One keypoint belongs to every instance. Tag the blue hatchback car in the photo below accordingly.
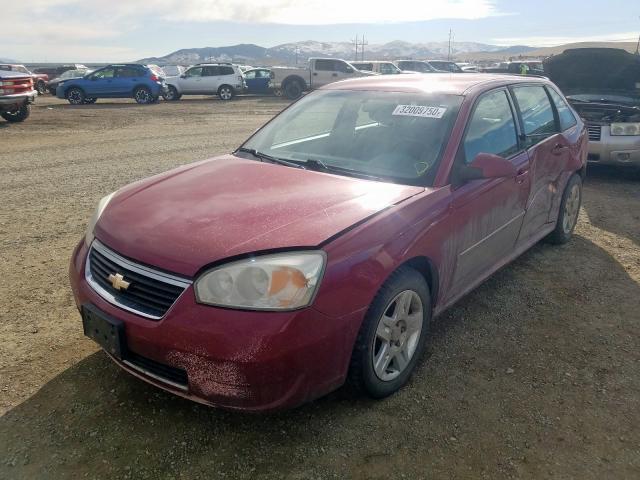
(140, 82)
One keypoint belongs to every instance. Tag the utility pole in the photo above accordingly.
(356, 44)
(638, 45)
(449, 52)
(364, 42)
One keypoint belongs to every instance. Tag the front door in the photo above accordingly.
(100, 83)
(488, 213)
(192, 81)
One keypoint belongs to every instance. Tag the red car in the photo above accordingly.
(320, 250)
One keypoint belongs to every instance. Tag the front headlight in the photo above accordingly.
(625, 129)
(282, 281)
(102, 204)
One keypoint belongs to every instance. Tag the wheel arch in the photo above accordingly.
(427, 268)
(294, 78)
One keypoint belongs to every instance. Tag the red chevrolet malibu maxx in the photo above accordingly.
(319, 251)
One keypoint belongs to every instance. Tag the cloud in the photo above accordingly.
(328, 12)
(550, 41)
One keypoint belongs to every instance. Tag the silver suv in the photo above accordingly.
(222, 79)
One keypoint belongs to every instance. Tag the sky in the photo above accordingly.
(126, 30)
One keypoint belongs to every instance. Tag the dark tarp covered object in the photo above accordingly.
(592, 70)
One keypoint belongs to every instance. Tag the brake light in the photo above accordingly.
(155, 78)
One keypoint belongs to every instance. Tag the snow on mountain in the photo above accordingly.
(290, 53)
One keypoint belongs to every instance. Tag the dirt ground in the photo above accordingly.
(536, 374)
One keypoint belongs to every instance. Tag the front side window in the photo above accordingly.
(194, 72)
(104, 73)
(492, 128)
(567, 119)
(393, 136)
(364, 66)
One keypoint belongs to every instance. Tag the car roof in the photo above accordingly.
(450, 83)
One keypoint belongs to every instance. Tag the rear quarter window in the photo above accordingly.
(226, 71)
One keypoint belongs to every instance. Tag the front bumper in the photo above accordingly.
(613, 150)
(18, 99)
(254, 361)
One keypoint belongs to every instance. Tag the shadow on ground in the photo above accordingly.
(532, 375)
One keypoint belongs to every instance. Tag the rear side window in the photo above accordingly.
(567, 119)
(537, 113)
(492, 128)
(128, 72)
(226, 71)
(364, 66)
(210, 71)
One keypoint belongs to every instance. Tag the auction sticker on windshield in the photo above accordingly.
(419, 111)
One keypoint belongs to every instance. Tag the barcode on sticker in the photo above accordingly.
(419, 111)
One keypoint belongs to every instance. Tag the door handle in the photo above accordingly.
(558, 148)
(522, 175)
(315, 74)
(334, 74)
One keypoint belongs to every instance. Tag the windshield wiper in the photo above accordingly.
(319, 165)
(269, 158)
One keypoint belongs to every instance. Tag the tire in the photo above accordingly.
(89, 101)
(19, 115)
(75, 96)
(373, 373)
(41, 87)
(569, 210)
(143, 96)
(226, 93)
(172, 94)
(293, 90)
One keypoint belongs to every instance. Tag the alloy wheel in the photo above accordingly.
(225, 93)
(142, 95)
(571, 209)
(397, 335)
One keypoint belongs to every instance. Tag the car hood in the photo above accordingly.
(184, 219)
(595, 71)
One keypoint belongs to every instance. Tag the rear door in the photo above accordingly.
(126, 78)
(324, 72)
(210, 79)
(489, 212)
(548, 151)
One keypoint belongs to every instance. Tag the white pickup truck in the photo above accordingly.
(292, 82)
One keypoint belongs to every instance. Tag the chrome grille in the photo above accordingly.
(595, 132)
(150, 292)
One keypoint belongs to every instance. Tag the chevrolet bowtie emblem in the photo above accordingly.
(118, 281)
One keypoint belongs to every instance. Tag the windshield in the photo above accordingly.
(393, 136)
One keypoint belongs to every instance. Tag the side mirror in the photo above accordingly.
(348, 70)
(184, 75)
(93, 79)
(488, 165)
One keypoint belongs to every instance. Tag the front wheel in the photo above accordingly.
(75, 96)
(225, 92)
(393, 335)
(18, 115)
(171, 95)
(569, 210)
(41, 87)
(143, 96)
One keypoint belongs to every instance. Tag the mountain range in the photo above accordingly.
(299, 52)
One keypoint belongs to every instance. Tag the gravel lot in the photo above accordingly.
(533, 375)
